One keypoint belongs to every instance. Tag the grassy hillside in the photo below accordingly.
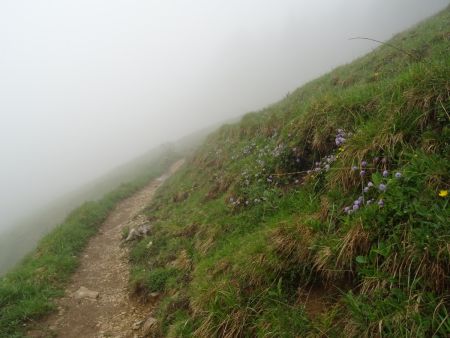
(27, 292)
(325, 214)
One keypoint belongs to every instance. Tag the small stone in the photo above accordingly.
(131, 235)
(154, 295)
(83, 292)
(148, 325)
(137, 325)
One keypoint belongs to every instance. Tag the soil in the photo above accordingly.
(104, 269)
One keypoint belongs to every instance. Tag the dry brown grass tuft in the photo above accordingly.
(293, 242)
(205, 238)
(188, 231)
(416, 265)
(232, 326)
(355, 242)
(182, 262)
(219, 187)
(324, 264)
(344, 177)
(324, 212)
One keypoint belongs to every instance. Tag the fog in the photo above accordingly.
(88, 85)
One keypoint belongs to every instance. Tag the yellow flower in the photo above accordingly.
(443, 193)
(341, 149)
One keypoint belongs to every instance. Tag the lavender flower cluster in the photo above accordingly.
(324, 164)
(369, 188)
(277, 151)
(236, 202)
(340, 137)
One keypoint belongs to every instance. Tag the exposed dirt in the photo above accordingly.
(103, 268)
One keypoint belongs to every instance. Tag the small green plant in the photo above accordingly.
(125, 232)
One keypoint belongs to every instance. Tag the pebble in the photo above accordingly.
(84, 292)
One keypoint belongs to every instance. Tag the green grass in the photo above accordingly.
(28, 291)
(244, 233)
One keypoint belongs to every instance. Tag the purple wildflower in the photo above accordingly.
(363, 164)
(355, 206)
(338, 141)
(362, 173)
(381, 203)
(370, 184)
(327, 167)
(346, 209)
(366, 189)
(398, 175)
(382, 187)
(385, 173)
(354, 168)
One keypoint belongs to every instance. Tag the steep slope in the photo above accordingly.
(325, 214)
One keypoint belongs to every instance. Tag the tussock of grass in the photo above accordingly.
(27, 292)
(249, 230)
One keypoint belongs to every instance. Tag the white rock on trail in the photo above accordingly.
(83, 292)
(139, 231)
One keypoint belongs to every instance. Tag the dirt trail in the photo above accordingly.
(103, 268)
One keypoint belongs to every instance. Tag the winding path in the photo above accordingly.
(103, 268)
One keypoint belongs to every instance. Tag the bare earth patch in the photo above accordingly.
(103, 269)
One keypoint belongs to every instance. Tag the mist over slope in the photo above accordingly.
(88, 85)
(21, 237)
(323, 215)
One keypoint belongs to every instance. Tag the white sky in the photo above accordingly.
(87, 85)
